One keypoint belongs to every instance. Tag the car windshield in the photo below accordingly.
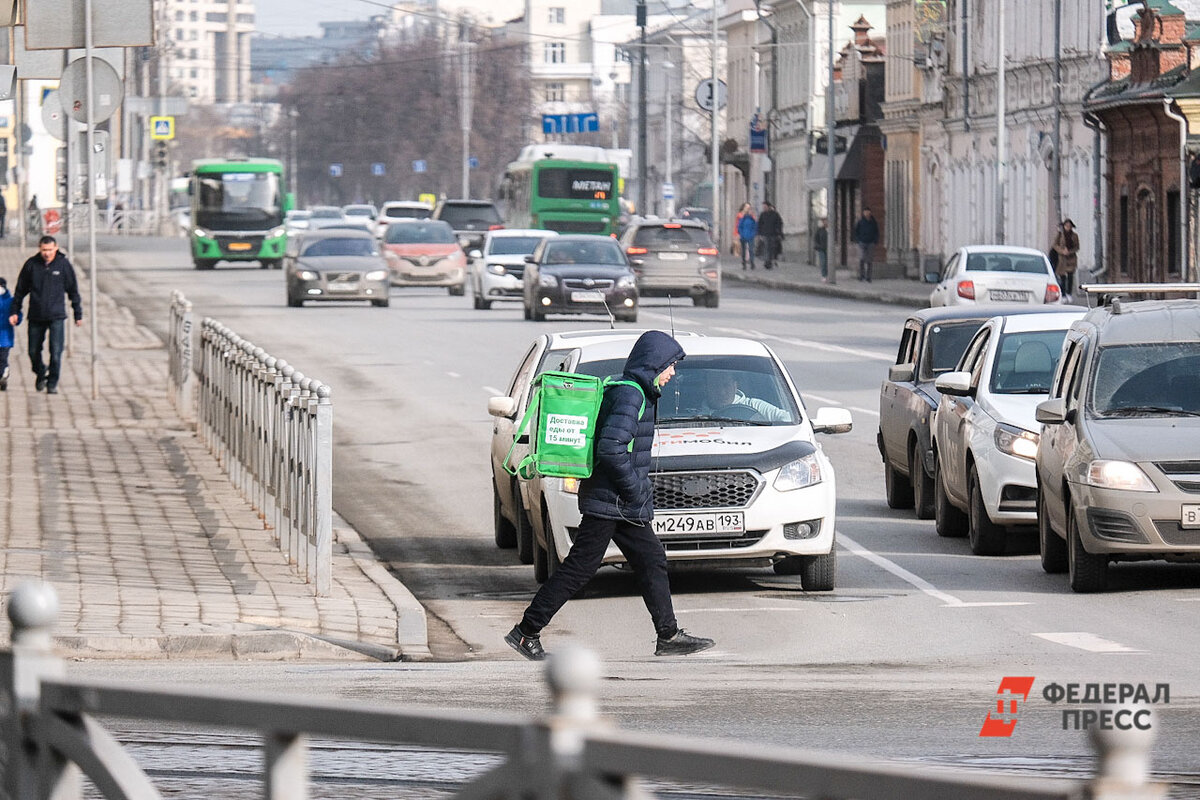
(1007, 262)
(602, 251)
(428, 232)
(513, 245)
(461, 217)
(348, 246)
(1147, 380)
(712, 390)
(945, 342)
(406, 212)
(1025, 362)
(663, 236)
(359, 211)
(326, 213)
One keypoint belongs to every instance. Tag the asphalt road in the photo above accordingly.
(903, 660)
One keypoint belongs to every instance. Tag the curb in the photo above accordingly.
(825, 289)
(266, 645)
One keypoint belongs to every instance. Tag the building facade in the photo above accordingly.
(207, 52)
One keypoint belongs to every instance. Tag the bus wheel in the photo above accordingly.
(204, 263)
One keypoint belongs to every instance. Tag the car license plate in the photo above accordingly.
(587, 297)
(341, 286)
(1008, 296)
(672, 256)
(239, 245)
(668, 525)
(1190, 517)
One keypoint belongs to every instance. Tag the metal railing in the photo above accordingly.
(181, 377)
(51, 734)
(272, 430)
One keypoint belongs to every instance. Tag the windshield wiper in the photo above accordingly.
(714, 420)
(1133, 411)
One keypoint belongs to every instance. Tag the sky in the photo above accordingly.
(300, 17)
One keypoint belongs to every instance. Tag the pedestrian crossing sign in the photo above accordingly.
(162, 127)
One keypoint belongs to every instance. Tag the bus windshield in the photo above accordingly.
(238, 201)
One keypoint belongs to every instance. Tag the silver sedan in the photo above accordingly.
(336, 264)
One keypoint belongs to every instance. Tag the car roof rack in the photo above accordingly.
(1110, 294)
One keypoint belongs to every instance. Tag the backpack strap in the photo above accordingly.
(526, 465)
(610, 382)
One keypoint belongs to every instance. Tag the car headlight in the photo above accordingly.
(1016, 441)
(626, 282)
(799, 473)
(570, 485)
(496, 269)
(307, 275)
(1123, 475)
(203, 234)
(547, 280)
(276, 232)
(376, 275)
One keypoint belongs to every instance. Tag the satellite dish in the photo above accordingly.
(107, 90)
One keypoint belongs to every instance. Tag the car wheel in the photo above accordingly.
(524, 531)
(629, 317)
(712, 299)
(481, 304)
(818, 573)
(527, 314)
(505, 532)
(896, 487)
(552, 563)
(457, 291)
(949, 521)
(700, 300)
(922, 485)
(205, 263)
(1088, 571)
(1052, 547)
(381, 303)
(536, 315)
(987, 538)
(294, 302)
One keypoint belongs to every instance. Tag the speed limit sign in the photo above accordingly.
(707, 97)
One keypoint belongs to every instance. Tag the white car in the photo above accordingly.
(738, 480)
(985, 434)
(497, 269)
(995, 274)
(400, 209)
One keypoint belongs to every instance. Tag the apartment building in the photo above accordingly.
(207, 48)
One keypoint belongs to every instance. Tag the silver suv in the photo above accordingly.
(674, 258)
(1118, 465)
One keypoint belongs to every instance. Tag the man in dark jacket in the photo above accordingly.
(46, 278)
(617, 504)
(770, 227)
(866, 235)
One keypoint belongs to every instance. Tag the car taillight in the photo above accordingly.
(966, 289)
(672, 225)
(495, 227)
(1053, 293)
(636, 251)
(708, 251)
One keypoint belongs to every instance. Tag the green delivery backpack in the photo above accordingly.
(563, 408)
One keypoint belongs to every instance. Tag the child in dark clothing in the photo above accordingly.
(6, 332)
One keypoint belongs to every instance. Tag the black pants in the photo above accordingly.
(4, 359)
(641, 549)
(37, 338)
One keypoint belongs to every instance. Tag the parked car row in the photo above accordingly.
(1078, 422)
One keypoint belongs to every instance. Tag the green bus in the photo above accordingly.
(237, 208)
(560, 195)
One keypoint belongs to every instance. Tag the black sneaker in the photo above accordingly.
(528, 646)
(682, 644)
(41, 384)
(51, 390)
(4, 375)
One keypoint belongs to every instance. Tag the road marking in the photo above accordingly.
(822, 399)
(1087, 641)
(492, 391)
(948, 600)
(454, 375)
(679, 321)
(736, 610)
(809, 343)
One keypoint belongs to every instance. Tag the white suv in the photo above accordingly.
(985, 435)
(738, 475)
(498, 269)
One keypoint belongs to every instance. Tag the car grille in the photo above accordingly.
(688, 490)
(1114, 526)
(255, 243)
(423, 261)
(731, 542)
(600, 284)
(342, 277)
(1172, 533)
(1184, 474)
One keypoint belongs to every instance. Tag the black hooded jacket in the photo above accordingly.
(620, 486)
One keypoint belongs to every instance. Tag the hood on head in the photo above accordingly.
(653, 352)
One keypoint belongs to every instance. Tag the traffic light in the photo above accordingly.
(160, 155)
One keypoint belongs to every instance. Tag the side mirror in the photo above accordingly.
(932, 277)
(289, 202)
(901, 373)
(957, 384)
(529, 259)
(832, 420)
(503, 406)
(1051, 412)
(474, 254)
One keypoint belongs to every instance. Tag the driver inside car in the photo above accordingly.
(722, 391)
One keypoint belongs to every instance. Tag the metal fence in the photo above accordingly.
(181, 377)
(272, 430)
(51, 733)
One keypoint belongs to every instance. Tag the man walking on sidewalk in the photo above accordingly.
(770, 227)
(617, 504)
(46, 278)
(821, 248)
(866, 234)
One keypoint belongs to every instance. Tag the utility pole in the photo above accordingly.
(716, 132)
(670, 112)
(830, 150)
(464, 105)
(641, 127)
(1001, 112)
(1056, 214)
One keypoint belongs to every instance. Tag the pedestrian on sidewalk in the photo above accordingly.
(617, 504)
(866, 235)
(7, 335)
(46, 279)
(3, 214)
(770, 227)
(821, 248)
(747, 229)
(1066, 245)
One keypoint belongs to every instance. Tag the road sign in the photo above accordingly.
(378, 169)
(107, 90)
(758, 134)
(473, 162)
(427, 197)
(419, 165)
(668, 191)
(335, 170)
(57, 24)
(570, 123)
(162, 127)
(706, 97)
(53, 116)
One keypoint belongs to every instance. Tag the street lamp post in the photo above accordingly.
(830, 150)
(715, 124)
(1001, 110)
(641, 126)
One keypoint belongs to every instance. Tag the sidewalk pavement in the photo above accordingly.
(153, 553)
(798, 276)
